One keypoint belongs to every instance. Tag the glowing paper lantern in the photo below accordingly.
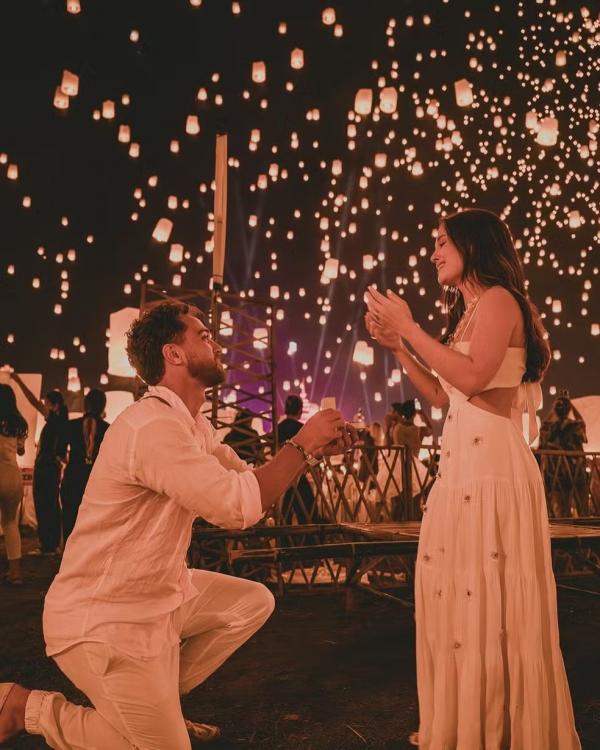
(331, 269)
(292, 348)
(388, 100)
(260, 337)
(118, 364)
(226, 324)
(328, 16)
(336, 167)
(176, 253)
(556, 306)
(531, 120)
(297, 58)
(108, 109)
(380, 160)
(192, 125)
(61, 100)
(363, 354)
(162, 230)
(73, 6)
(595, 329)
(463, 93)
(574, 219)
(367, 262)
(363, 101)
(73, 382)
(548, 132)
(12, 172)
(259, 72)
(124, 134)
(70, 83)
(561, 58)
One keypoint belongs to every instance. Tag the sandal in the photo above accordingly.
(202, 732)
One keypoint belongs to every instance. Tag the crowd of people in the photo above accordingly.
(66, 451)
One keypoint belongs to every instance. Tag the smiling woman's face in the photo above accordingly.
(448, 261)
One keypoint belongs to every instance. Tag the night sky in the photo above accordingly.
(327, 196)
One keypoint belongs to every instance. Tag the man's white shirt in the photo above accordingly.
(123, 572)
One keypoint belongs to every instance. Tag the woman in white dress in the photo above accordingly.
(490, 673)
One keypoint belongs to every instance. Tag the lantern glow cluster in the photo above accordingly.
(339, 174)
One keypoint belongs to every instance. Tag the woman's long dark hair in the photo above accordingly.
(12, 423)
(490, 258)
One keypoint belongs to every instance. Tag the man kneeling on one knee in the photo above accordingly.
(125, 619)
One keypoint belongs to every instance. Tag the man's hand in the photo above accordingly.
(320, 430)
(346, 442)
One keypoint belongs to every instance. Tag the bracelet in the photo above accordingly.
(308, 457)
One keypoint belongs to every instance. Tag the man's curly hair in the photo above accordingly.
(146, 337)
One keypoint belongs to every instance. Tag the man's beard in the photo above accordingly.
(207, 373)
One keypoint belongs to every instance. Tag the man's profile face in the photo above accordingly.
(202, 353)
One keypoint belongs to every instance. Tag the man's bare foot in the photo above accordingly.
(12, 714)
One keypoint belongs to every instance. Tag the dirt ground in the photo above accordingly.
(315, 677)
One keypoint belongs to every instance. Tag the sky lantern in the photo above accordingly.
(388, 100)
(260, 336)
(118, 363)
(162, 230)
(363, 354)
(124, 134)
(367, 262)
(74, 7)
(192, 125)
(259, 72)
(331, 270)
(548, 132)
(108, 109)
(380, 160)
(70, 83)
(336, 167)
(328, 16)
(134, 150)
(463, 92)
(531, 120)
(575, 220)
(12, 172)
(61, 100)
(556, 306)
(73, 382)
(297, 58)
(226, 324)
(595, 329)
(363, 101)
(561, 58)
(176, 253)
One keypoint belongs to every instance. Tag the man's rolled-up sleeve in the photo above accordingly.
(168, 460)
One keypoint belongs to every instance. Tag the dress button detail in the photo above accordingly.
(449, 417)
(447, 454)
(469, 593)
(494, 555)
(427, 558)
(477, 440)
(457, 644)
(438, 593)
(467, 498)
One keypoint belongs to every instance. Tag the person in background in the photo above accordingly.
(406, 432)
(390, 420)
(47, 467)
(299, 500)
(244, 439)
(565, 477)
(81, 438)
(13, 433)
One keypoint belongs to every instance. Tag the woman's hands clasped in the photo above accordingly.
(388, 319)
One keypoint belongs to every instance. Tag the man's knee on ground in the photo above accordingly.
(261, 601)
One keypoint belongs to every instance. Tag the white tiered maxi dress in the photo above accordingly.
(490, 673)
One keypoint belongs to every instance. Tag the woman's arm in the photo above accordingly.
(35, 402)
(423, 380)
